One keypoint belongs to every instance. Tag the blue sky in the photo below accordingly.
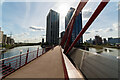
(21, 17)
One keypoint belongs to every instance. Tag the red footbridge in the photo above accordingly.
(55, 62)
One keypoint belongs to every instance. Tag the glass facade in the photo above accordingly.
(77, 25)
(52, 30)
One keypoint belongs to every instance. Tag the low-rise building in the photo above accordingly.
(90, 41)
(1, 38)
(98, 40)
(12, 41)
(4, 40)
(113, 40)
(8, 40)
(104, 41)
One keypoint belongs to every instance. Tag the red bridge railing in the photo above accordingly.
(68, 32)
(9, 65)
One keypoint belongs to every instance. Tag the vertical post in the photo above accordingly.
(20, 58)
(42, 50)
(3, 62)
(16, 64)
(2, 66)
(45, 50)
(9, 64)
(33, 56)
(37, 52)
(27, 56)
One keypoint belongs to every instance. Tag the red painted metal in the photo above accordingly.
(20, 60)
(79, 8)
(69, 36)
(14, 63)
(27, 56)
(42, 50)
(66, 34)
(64, 67)
(37, 52)
(93, 17)
(2, 62)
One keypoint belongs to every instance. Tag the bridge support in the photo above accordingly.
(92, 18)
(71, 22)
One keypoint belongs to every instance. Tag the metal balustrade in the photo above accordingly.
(9, 65)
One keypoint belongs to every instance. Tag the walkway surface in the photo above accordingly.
(48, 65)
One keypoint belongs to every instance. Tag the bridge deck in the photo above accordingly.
(49, 65)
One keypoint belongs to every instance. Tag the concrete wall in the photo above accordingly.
(94, 65)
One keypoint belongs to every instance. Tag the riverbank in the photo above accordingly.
(102, 46)
(17, 51)
(7, 47)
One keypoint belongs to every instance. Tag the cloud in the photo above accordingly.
(113, 28)
(109, 30)
(96, 31)
(86, 14)
(115, 25)
(63, 9)
(1, 1)
(35, 28)
(87, 32)
(21, 35)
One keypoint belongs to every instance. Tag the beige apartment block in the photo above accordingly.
(1, 38)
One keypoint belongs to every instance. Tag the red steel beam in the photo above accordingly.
(79, 8)
(92, 18)
(69, 35)
(66, 33)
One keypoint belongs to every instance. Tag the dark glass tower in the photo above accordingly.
(77, 25)
(52, 29)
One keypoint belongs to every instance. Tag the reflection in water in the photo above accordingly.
(16, 51)
(106, 51)
(94, 65)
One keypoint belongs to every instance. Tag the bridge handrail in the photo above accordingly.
(17, 55)
(11, 64)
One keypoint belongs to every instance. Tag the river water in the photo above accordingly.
(106, 51)
(16, 51)
(100, 65)
(97, 63)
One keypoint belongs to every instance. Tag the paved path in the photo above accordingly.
(48, 65)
